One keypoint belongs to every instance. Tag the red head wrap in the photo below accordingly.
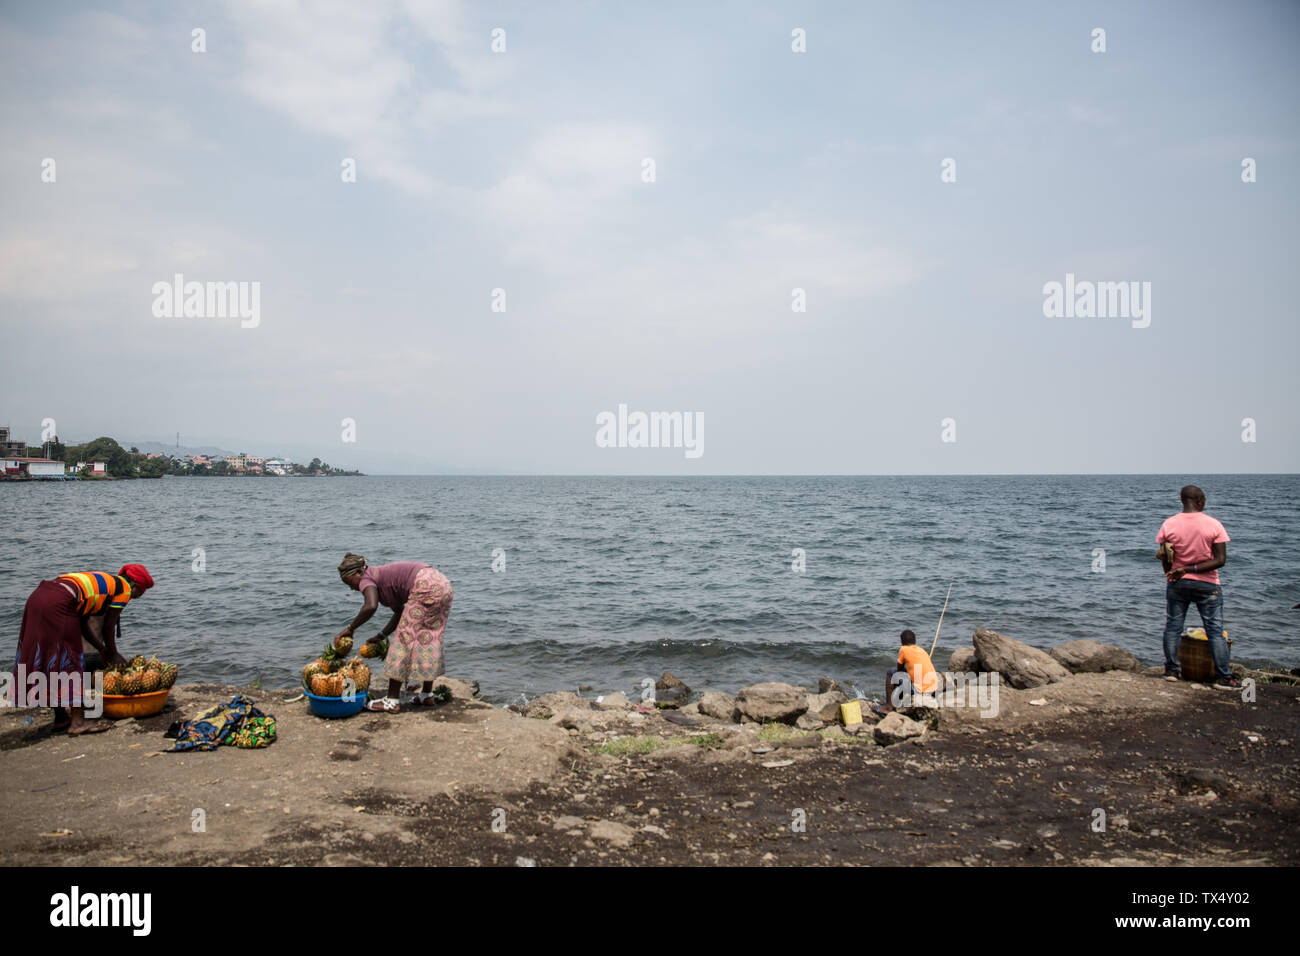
(137, 574)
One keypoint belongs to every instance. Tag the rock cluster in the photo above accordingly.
(1018, 664)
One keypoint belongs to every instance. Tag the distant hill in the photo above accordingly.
(148, 447)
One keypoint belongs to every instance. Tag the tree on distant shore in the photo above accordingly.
(154, 467)
(118, 459)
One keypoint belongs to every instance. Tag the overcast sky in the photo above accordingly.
(774, 170)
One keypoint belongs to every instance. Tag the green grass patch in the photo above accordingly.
(710, 741)
(625, 746)
(775, 732)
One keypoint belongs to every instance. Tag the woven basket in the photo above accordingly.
(1194, 658)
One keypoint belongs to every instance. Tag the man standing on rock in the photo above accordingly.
(1199, 546)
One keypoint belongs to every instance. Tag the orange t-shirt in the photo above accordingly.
(919, 669)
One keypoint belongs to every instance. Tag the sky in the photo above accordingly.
(504, 268)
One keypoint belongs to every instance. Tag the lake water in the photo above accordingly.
(610, 580)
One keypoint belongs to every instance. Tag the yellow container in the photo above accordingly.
(851, 712)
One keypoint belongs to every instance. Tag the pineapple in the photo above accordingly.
(130, 683)
(169, 672)
(343, 645)
(111, 682)
(318, 666)
(377, 649)
(323, 685)
(150, 680)
(138, 661)
(360, 674)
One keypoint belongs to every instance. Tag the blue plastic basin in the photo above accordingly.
(336, 706)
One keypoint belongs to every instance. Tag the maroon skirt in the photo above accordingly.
(49, 644)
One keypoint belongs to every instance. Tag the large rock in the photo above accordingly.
(809, 721)
(772, 701)
(1020, 665)
(670, 692)
(895, 728)
(719, 706)
(1094, 657)
(562, 703)
(826, 706)
(615, 701)
(460, 689)
(963, 661)
(825, 686)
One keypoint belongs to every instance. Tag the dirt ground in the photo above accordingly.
(1184, 774)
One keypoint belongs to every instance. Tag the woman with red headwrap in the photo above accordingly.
(50, 667)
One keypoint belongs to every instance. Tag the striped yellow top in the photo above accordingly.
(98, 588)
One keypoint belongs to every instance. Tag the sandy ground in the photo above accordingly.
(1184, 774)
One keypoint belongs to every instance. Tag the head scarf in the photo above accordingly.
(137, 574)
(351, 562)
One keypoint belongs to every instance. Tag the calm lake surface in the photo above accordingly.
(609, 580)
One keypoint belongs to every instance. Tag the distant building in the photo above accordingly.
(96, 467)
(9, 447)
(15, 467)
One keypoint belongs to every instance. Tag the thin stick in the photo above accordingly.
(941, 614)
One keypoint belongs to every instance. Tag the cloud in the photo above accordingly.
(360, 73)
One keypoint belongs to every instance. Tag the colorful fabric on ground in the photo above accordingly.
(253, 733)
(99, 588)
(218, 725)
(415, 652)
(49, 658)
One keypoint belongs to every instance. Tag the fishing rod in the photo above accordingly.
(941, 614)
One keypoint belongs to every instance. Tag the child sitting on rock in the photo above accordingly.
(915, 671)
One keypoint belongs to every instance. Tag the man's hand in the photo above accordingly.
(1174, 574)
(113, 659)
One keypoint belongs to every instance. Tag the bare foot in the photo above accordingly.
(89, 727)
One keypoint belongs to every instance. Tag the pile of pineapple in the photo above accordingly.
(139, 676)
(328, 675)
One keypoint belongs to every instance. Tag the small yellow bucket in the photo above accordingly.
(851, 712)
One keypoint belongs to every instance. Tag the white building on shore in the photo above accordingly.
(32, 468)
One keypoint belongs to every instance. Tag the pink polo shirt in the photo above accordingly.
(1192, 533)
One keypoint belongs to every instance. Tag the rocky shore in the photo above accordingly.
(1086, 759)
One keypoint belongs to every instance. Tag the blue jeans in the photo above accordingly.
(1208, 599)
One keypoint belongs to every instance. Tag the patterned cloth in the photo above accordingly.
(98, 588)
(255, 732)
(415, 653)
(49, 644)
(222, 725)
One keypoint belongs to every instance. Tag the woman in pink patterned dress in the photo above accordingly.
(420, 598)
